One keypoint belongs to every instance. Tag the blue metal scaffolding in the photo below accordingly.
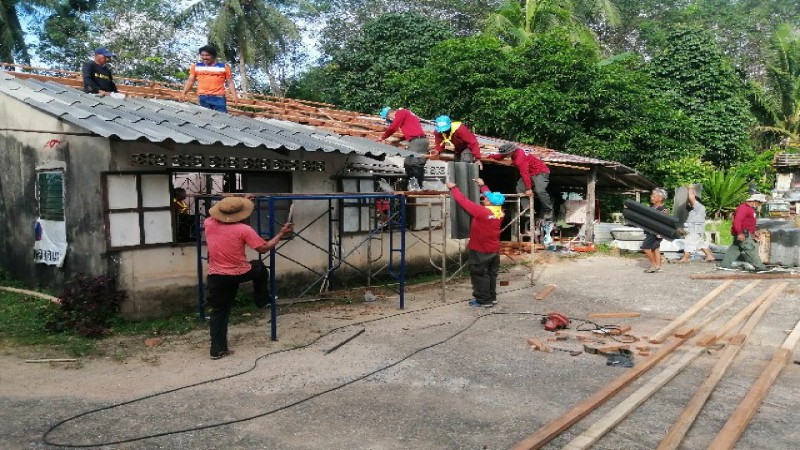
(394, 220)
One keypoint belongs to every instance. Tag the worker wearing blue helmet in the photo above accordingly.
(409, 125)
(458, 135)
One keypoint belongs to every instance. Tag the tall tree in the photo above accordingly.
(250, 32)
(13, 47)
(516, 21)
(777, 105)
(64, 39)
(704, 83)
(390, 44)
(344, 19)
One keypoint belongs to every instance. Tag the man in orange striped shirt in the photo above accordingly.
(211, 77)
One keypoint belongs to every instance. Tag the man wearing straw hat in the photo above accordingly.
(226, 237)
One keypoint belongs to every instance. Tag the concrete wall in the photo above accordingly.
(27, 143)
(161, 279)
(164, 279)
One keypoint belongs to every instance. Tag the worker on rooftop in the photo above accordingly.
(459, 136)
(212, 77)
(97, 77)
(409, 125)
(534, 175)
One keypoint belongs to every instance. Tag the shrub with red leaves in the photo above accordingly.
(87, 305)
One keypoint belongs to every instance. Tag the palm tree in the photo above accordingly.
(777, 105)
(517, 20)
(250, 32)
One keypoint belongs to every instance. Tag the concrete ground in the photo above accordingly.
(433, 376)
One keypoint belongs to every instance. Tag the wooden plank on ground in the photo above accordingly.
(744, 276)
(689, 313)
(613, 315)
(589, 437)
(579, 411)
(688, 331)
(546, 292)
(709, 338)
(676, 434)
(738, 421)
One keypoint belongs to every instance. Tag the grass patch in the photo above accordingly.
(22, 320)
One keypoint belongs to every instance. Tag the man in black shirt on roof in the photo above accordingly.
(97, 77)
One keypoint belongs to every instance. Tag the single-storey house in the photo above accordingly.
(88, 183)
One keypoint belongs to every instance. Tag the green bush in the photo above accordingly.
(88, 304)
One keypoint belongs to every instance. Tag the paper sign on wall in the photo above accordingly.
(50, 246)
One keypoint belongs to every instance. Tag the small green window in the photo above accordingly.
(51, 195)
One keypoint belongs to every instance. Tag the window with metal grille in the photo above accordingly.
(50, 189)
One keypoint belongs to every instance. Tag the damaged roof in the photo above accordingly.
(152, 113)
(161, 120)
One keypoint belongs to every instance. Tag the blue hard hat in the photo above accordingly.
(385, 112)
(442, 123)
(495, 198)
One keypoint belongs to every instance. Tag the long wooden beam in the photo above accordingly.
(681, 426)
(738, 421)
(579, 411)
(744, 276)
(599, 429)
(555, 427)
(589, 437)
(710, 338)
(714, 314)
(689, 313)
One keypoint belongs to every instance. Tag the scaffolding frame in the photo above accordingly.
(395, 220)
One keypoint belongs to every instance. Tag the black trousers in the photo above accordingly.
(415, 165)
(483, 269)
(222, 291)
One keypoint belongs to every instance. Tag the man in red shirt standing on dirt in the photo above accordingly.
(534, 175)
(408, 124)
(227, 236)
(484, 242)
(457, 134)
(211, 77)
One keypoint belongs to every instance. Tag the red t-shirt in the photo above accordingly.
(407, 123)
(527, 164)
(484, 230)
(462, 139)
(226, 245)
(744, 219)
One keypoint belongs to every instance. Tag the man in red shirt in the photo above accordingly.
(534, 175)
(408, 124)
(226, 237)
(743, 229)
(459, 136)
(484, 242)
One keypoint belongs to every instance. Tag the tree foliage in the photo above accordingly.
(776, 104)
(345, 19)
(252, 33)
(693, 69)
(555, 93)
(723, 192)
(392, 44)
(515, 21)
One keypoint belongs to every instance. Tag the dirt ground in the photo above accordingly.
(433, 376)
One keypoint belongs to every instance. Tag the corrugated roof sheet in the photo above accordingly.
(274, 124)
(134, 119)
